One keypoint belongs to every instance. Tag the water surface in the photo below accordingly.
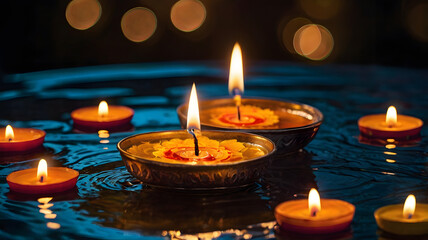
(109, 203)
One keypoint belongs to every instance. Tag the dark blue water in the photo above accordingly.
(110, 203)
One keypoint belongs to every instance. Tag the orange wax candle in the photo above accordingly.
(102, 117)
(407, 219)
(390, 125)
(20, 139)
(314, 215)
(42, 179)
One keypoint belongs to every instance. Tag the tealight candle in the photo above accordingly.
(20, 139)
(42, 179)
(390, 126)
(407, 219)
(314, 215)
(102, 117)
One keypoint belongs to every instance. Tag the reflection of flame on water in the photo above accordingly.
(313, 41)
(104, 134)
(390, 153)
(188, 15)
(390, 146)
(240, 234)
(44, 209)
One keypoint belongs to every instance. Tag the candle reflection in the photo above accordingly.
(44, 209)
(103, 135)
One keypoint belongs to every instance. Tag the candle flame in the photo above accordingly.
(103, 109)
(42, 170)
(409, 206)
(236, 75)
(391, 116)
(9, 135)
(314, 202)
(193, 111)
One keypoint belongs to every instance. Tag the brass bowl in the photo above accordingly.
(287, 140)
(195, 177)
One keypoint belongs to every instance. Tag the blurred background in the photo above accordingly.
(49, 34)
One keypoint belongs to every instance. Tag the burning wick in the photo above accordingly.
(314, 202)
(409, 206)
(237, 99)
(103, 109)
(9, 135)
(195, 139)
(42, 170)
(236, 77)
(391, 117)
(193, 122)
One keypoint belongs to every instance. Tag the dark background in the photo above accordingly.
(36, 35)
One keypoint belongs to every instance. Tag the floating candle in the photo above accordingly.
(42, 179)
(390, 126)
(289, 124)
(20, 139)
(194, 159)
(102, 117)
(407, 219)
(314, 215)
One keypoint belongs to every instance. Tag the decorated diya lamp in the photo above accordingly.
(103, 117)
(42, 180)
(290, 125)
(390, 126)
(314, 215)
(20, 139)
(194, 159)
(407, 219)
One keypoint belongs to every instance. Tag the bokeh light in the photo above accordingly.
(188, 15)
(321, 9)
(83, 14)
(313, 41)
(289, 30)
(417, 20)
(138, 24)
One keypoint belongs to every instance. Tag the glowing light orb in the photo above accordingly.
(83, 14)
(188, 15)
(138, 24)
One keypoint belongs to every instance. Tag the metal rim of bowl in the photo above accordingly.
(180, 165)
(257, 130)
